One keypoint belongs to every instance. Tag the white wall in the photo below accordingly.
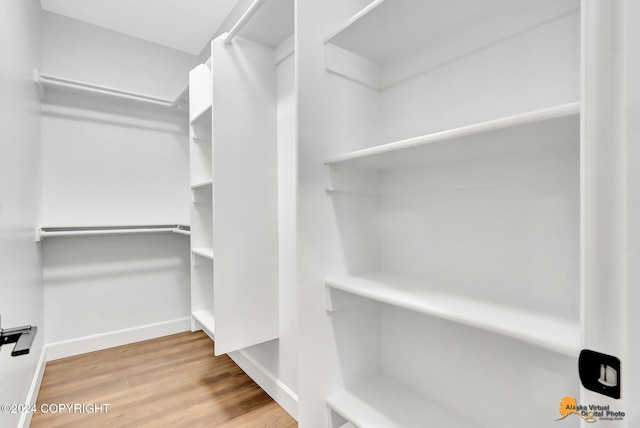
(85, 52)
(99, 285)
(21, 297)
(531, 70)
(111, 162)
(107, 163)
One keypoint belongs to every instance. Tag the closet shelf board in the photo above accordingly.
(205, 319)
(202, 184)
(551, 333)
(203, 118)
(387, 29)
(203, 252)
(380, 402)
(547, 128)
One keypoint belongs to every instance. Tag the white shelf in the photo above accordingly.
(348, 425)
(555, 334)
(386, 32)
(200, 94)
(203, 118)
(203, 252)
(380, 402)
(555, 126)
(272, 23)
(202, 184)
(205, 319)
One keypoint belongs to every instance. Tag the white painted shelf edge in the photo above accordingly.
(204, 116)
(205, 319)
(555, 334)
(43, 232)
(465, 131)
(380, 402)
(353, 19)
(201, 184)
(203, 252)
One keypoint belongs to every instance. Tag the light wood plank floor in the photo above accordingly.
(174, 381)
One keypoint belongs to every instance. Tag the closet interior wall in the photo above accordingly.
(21, 301)
(493, 225)
(111, 162)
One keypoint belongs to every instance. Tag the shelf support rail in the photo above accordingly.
(255, 6)
(45, 79)
(59, 232)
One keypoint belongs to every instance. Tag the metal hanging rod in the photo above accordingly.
(228, 38)
(60, 232)
(42, 80)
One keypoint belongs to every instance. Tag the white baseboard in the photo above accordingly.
(97, 342)
(34, 389)
(277, 390)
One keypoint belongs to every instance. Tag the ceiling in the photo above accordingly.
(186, 25)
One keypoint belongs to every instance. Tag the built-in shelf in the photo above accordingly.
(203, 140)
(551, 333)
(205, 319)
(202, 119)
(76, 231)
(348, 425)
(203, 252)
(540, 129)
(391, 40)
(202, 184)
(380, 402)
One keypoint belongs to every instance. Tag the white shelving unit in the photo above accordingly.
(380, 402)
(205, 321)
(200, 147)
(234, 181)
(452, 216)
(538, 130)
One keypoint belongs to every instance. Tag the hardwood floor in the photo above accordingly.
(174, 381)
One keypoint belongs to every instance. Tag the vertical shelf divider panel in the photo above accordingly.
(245, 192)
(200, 96)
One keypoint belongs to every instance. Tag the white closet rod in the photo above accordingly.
(45, 79)
(226, 41)
(59, 232)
